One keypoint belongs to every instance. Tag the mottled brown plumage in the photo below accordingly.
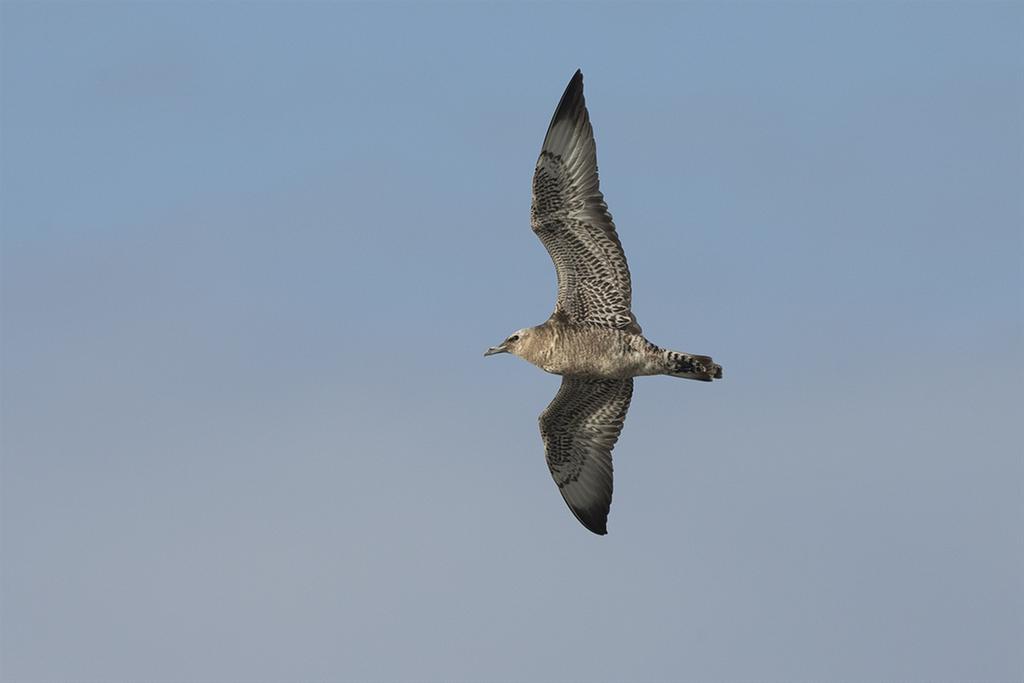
(592, 338)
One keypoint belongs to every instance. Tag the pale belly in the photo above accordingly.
(599, 354)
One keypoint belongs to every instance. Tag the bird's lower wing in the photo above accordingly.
(579, 429)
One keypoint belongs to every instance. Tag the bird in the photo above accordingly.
(592, 339)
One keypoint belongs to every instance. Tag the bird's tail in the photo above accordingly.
(690, 366)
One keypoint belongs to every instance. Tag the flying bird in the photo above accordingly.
(592, 338)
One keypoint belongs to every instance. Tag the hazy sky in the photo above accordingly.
(253, 252)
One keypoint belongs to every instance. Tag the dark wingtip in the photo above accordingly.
(595, 522)
(572, 98)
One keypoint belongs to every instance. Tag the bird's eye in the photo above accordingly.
(514, 337)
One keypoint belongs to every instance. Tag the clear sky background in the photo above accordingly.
(253, 252)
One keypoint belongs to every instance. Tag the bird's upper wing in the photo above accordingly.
(579, 429)
(572, 220)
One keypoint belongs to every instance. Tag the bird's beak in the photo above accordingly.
(496, 349)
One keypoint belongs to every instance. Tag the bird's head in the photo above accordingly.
(514, 344)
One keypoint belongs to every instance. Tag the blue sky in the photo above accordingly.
(252, 254)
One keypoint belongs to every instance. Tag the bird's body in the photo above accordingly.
(592, 339)
(563, 348)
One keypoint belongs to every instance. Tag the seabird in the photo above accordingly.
(592, 339)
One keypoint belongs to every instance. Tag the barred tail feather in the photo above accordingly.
(690, 366)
